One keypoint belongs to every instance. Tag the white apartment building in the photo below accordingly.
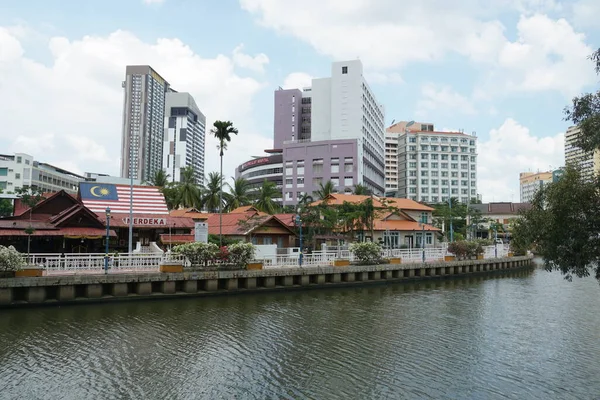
(530, 183)
(435, 165)
(20, 169)
(184, 136)
(143, 122)
(588, 162)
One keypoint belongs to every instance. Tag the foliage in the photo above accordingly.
(305, 199)
(366, 252)
(485, 242)
(226, 241)
(211, 198)
(361, 189)
(188, 191)
(10, 259)
(29, 196)
(562, 225)
(240, 254)
(222, 130)
(325, 190)
(198, 253)
(6, 207)
(458, 248)
(238, 194)
(159, 179)
(265, 198)
(585, 113)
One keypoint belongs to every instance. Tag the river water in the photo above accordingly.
(521, 335)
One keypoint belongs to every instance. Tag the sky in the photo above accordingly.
(504, 69)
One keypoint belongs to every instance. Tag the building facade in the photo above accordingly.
(259, 169)
(588, 162)
(20, 169)
(143, 122)
(184, 136)
(433, 165)
(531, 182)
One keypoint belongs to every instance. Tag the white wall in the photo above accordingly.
(321, 109)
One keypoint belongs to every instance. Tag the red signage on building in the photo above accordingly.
(256, 161)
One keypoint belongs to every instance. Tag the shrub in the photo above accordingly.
(10, 259)
(366, 252)
(240, 254)
(485, 242)
(198, 253)
(458, 248)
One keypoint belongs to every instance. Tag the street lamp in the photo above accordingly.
(450, 209)
(422, 223)
(495, 241)
(170, 238)
(299, 224)
(107, 239)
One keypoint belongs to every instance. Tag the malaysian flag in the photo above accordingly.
(146, 199)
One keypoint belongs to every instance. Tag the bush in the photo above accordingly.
(240, 254)
(485, 242)
(366, 252)
(198, 253)
(10, 259)
(464, 248)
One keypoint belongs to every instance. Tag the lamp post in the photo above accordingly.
(422, 223)
(299, 223)
(450, 208)
(495, 241)
(170, 238)
(107, 239)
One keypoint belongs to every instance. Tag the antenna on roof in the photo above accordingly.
(410, 123)
(393, 122)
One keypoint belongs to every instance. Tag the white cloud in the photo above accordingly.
(297, 80)
(510, 150)
(436, 101)
(153, 1)
(256, 63)
(586, 12)
(547, 55)
(392, 78)
(70, 111)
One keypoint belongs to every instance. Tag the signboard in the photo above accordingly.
(147, 221)
(256, 161)
(201, 232)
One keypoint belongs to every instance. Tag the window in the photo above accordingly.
(454, 149)
(412, 190)
(19, 160)
(472, 175)
(454, 191)
(412, 156)
(412, 181)
(412, 140)
(444, 190)
(424, 147)
(3, 171)
(300, 182)
(434, 173)
(412, 173)
(335, 181)
(412, 165)
(289, 171)
(424, 173)
(444, 156)
(454, 166)
(335, 168)
(434, 165)
(464, 166)
(434, 181)
(434, 156)
(434, 190)
(424, 190)
(293, 118)
(473, 183)
(289, 182)
(424, 182)
(444, 165)
(424, 156)
(454, 183)
(293, 99)
(444, 148)
(347, 167)
(348, 181)
(464, 158)
(344, 70)
(464, 174)
(454, 158)
(300, 171)
(424, 165)
(412, 148)
(454, 174)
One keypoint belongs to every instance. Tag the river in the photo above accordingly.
(520, 335)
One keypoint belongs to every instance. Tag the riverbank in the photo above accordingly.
(57, 290)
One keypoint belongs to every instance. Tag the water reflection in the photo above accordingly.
(512, 335)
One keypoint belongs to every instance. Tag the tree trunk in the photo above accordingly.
(221, 202)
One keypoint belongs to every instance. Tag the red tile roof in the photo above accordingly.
(68, 231)
(165, 238)
(380, 202)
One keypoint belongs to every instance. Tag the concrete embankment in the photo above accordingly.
(48, 290)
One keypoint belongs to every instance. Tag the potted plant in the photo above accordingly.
(10, 261)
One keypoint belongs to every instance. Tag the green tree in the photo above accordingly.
(361, 189)
(325, 190)
(238, 194)
(563, 224)
(6, 207)
(265, 198)
(212, 192)
(29, 196)
(584, 112)
(159, 179)
(188, 191)
(222, 131)
(456, 212)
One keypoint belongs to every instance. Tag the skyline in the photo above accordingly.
(507, 76)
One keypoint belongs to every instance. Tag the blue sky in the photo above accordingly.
(502, 68)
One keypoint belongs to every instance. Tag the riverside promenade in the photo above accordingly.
(65, 289)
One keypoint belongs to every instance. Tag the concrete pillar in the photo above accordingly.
(93, 291)
(35, 294)
(251, 283)
(321, 279)
(232, 284)
(350, 277)
(190, 286)
(304, 280)
(270, 282)
(119, 289)
(376, 275)
(168, 287)
(65, 293)
(143, 288)
(411, 272)
(422, 272)
(442, 271)
(336, 278)
(362, 276)
(211, 285)
(288, 281)
(6, 296)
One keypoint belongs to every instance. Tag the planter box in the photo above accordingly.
(510, 254)
(449, 258)
(29, 272)
(480, 257)
(254, 266)
(171, 267)
(396, 260)
(341, 263)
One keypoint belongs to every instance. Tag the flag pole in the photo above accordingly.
(130, 248)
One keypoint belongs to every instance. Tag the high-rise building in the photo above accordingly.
(531, 182)
(433, 165)
(587, 162)
(184, 137)
(143, 122)
(20, 169)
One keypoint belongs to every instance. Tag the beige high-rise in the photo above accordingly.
(589, 162)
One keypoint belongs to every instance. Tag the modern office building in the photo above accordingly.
(261, 169)
(184, 137)
(588, 162)
(433, 165)
(531, 182)
(20, 169)
(109, 179)
(143, 122)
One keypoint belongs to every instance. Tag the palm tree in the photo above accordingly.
(212, 192)
(238, 194)
(361, 189)
(305, 199)
(189, 192)
(222, 131)
(325, 190)
(264, 198)
(159, 179)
